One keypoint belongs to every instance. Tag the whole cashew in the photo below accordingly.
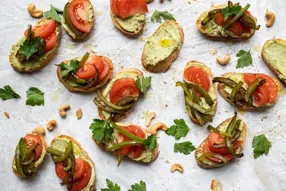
(63, 109)
(39, 130)
(51, 125)
(270, 18)
(34, 12)
(149, 117)
(79, 113)
(154, 128)
(223, 61)
(178, 167)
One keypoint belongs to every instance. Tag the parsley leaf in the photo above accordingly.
(101, 130)
(8, 93)
(138, 187)
(185, 147)
(68, 68)
(35, 97)
(244, 60)
(230, 11)
(261, 145)
(158, 15)
(151, 142)
(143, 83)
(30, 47)
(53, 14)
(111, 186)
(179, 130)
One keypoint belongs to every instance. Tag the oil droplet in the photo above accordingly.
(165, 42)
(88, 46)
(149, 95)
(98, 12)
(283, 92)
(257, 48)
(70, 46)
(55, 95)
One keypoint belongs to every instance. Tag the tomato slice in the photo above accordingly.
(44, 30)
(80, 184)
(123, 88)
(236, 27)
(61, 173)
(105, 71)
(80, 166)
(78, 14)
(267, 93)
(198, 76)
(51, 41)
(127, 8)
(216, 139)
(31, 140)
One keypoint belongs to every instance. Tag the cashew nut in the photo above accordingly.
(223, 61)
(216, 185)
(154, 128)
(178, 167)
(39, 130)
(51, 125)
(63, 109)
(149, 117)
(7, 114)
(79, 113)
(34, 12)
(270, 18)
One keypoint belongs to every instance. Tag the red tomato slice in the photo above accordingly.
(105, 71)
(219, 19)
(31, 140)
(127, 8)
(51, 41)
(198, 76)
(61, 173)
(123, 88)
(87, 71)
(80, 167)
(45, 30)
(216, 139)
(78, 14)
(80, 184)
(236, 27)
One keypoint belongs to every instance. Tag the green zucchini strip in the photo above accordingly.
(199, 108)
(105, 108)
(113, 106)
(252, 87)
(122, 145)
(202, 92)
(185, 88)
(226, 81)
(55, 152)
(210, 15)
(219, 132)
(240, 14)
(84, 59)
(210, 154)
(18, 162)
(69, 165)
(235, 90)
(127, 134)
(63, 157)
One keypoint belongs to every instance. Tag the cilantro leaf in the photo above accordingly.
(68, 68)
(30, 47)
(35, 97)
(53, 14)
(101, 130)
(8, 93)
(111, 186)
(179, 130)
(244, 60)
(158, 15)
(261, 145)
(138, 187)
(230, 11)
(143, 83)
(151, 142)
(185, 147)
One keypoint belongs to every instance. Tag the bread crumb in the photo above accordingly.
(213, 52)
(7, 115)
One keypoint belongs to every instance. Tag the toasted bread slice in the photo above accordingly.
(225, 95)
(149, 1)
(83, 89)
(212, 92)
(163, 65)
(150, 155)
(216, 185)
(229, 35)
(38, 162)
(83, 155)
(274, 56)
(33, 65)
(204, 164)
(132, 73)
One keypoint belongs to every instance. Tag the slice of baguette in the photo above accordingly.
(84, 90)
(199, 150)
(38, 162)
(201, 28)
(107, 88)
(271, 60)
(32, 65)
(92, 182)
(225, 95)
(216, 185)
(213, 88)
(155, 152)
(164, 65)
(149, 1)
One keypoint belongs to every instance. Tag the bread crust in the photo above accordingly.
(164, 66)
(83, 152)
(200, 148)
(49, 55)
(224, 94)
(130, 34)
(201, 28)
(92, 89)
(275, 71)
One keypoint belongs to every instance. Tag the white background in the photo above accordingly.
(266, 173)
